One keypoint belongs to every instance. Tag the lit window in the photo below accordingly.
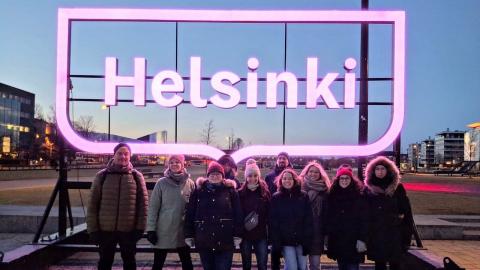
(26, 129)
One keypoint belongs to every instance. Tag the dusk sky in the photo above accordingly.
(442, 67)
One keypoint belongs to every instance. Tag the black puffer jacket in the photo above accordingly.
(346, 223)
(390, 219)
(214, 217)
(253, 201)
(291, 221)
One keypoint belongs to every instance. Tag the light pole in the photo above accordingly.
(104, 107)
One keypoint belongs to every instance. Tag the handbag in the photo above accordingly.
(251, 221)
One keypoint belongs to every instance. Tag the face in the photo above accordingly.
(313, 173)
(344, 181)
(122, 156)
(380, 171)
(282, 161)
(175, 165)
(287, 180)
(227, 168)
(252, 178)
(215, 177)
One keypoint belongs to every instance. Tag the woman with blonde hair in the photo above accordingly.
(316, 184)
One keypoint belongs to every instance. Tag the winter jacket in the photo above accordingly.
(291, 220)
(214, 216)
(166, 210)
(389, 235)
(346, 222)
(253, 201)
(118, 200)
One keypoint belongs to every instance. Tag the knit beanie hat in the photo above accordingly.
(120, 145)
(227, 160)
(178, 157)
(251, 167)
(215, 167)
(344, 171)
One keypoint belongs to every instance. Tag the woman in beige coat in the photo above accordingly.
(166, 213)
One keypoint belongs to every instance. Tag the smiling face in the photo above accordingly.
(287, 180)
(252, 178)
(122, 156)
(313, 173)
(282, 161)
(215, 177)
(175, 165)
(344, 181)
(380, 171)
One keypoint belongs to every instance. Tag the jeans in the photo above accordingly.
(161, 254)
(348, 266)
(383, 265)
(294, 258)
(314, 262)
(261, 253)
(216, 260)
(108, 242)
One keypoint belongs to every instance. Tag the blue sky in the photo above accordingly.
(442, 82)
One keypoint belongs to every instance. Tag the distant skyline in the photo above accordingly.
(442, 82)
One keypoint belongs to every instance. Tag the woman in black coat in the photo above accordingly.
(291, 222)
(254, 198)
(390, 215)
(213, 222)
(346, 222)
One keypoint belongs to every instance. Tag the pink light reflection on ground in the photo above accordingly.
(441, 188)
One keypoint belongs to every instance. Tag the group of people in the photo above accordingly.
(301, 216)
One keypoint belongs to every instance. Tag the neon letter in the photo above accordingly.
(252, 83)
(272, 81)
(195, 80)
(159, 86)
(315, 91)
(219, 86)
(349, 87)
(113, 81)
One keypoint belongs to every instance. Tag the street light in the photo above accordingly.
(104, 107)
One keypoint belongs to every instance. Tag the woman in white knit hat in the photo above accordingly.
(255, 202)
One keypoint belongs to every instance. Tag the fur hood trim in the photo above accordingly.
(227, 182)
(391, 169)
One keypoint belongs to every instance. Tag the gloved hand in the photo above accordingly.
(152, 237)
(361, 247)
(138, 234)
(190, 242)
(305, 250)
(237, 241)
(94, 237)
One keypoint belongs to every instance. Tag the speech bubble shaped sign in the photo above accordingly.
(394, 18)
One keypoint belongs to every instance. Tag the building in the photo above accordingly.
(16, 122)
(156, 137)
(413, 153)
(449, 147)
(427, 153)
(472, 143)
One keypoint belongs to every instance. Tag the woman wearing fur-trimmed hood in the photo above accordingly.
(389, 213)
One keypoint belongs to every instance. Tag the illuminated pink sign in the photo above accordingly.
(315, 90)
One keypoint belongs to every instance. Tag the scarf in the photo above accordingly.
(212, 186)
(252, 187)
(177, 178)
(315, 190)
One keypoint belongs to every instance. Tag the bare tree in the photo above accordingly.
(39, 112)
(208, 133)
(85, 125)
(52, 116)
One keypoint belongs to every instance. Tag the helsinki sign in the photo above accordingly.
(223, 82)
